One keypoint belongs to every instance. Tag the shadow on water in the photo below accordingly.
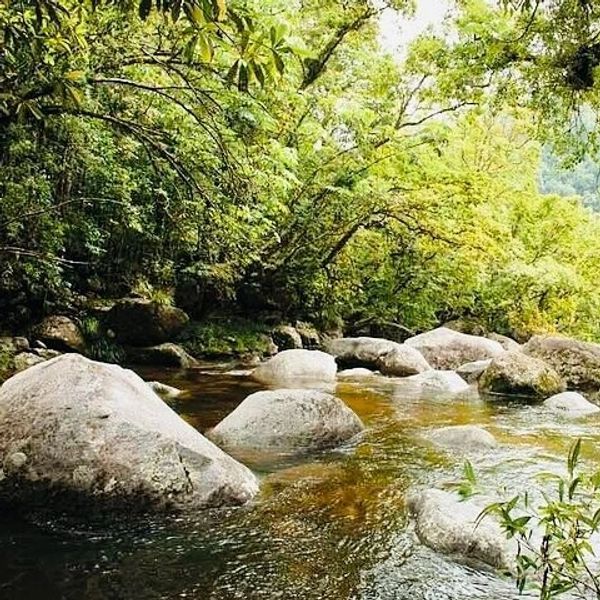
(329, 526)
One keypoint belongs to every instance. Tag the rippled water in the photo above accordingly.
(332, 526)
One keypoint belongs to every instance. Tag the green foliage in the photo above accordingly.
(167, 153)
(98, 345)
(555, 533)
(226, 338)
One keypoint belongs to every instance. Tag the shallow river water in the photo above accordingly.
(326, 527)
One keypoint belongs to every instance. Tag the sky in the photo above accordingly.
(398, 32)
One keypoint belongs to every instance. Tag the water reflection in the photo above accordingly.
(331, 526)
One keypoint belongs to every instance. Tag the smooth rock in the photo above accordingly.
(138, 322)
(578, 363)
(60, 333)
(287, 420)
(472, 371)
(97, 438)
(445, 349)
(449, 526)
(292, 365)
(165, 355)
(464, 438)
(358, 373)
(386, 356)
(440, 381)
(571, 403)
(515, 373)
(167, 392)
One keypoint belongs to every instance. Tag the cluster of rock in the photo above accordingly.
(78, 433)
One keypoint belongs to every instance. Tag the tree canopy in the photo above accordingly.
(273, 157)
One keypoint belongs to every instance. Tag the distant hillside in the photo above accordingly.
(583, 179)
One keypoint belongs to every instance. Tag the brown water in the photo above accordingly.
(330, 526)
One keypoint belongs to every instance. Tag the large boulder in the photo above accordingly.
(388, 357)
(463, 438)
(138, 322)
(438, 381)
(287, 420)
(297, 365)
(515, 373)
(452, 527)
(577, 362)
(571, 404)
(61, 333)
(286, 337)
(444, 348)
(165, 355)
(78, 435)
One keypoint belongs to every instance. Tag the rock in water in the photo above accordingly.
(137, 322)
(444, 348)
(60, 333)
(439, 381)
(447, 525)
(358, 373)
(515, 373)
(92, 436)
(166, 355)
(577, 362)
(287, 420)
(167, 392)
(472, 371)
(463, 438)
(292, 365)
(571, 404)
(386, 356)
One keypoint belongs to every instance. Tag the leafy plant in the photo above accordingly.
(555, 533)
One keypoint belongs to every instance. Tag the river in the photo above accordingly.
(331, 526)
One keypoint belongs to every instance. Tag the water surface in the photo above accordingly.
(330, 526)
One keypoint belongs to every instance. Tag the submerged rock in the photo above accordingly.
(165, 355)
(167, 392)
(138, 322)
(571, 403)
(291, 365)
(444, 348)
(464, 438)
(577, 362)
(452, 527)
(388, 357)
(358, 373)
(515, 373)
(94, 437)
(472, 371)
(439, 381)
(60, 333)
(287, 420)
